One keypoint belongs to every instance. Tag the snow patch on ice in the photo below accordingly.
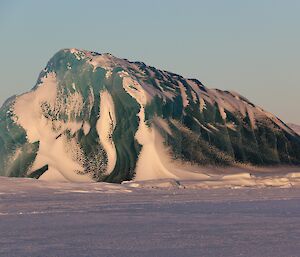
(105, 128)
(184, 96)
(86, 127)
(53, 144)
(152, 158)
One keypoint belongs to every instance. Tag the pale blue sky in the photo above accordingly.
(252, 47)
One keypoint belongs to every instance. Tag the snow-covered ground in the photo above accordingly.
(154, 218)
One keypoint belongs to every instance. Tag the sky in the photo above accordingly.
(251, 47)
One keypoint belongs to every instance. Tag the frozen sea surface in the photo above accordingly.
(66, 219)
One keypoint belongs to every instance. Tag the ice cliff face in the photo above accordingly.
(97, 117)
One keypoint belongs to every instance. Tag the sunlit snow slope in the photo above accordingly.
(97, 117)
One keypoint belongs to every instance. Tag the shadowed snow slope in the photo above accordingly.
(95, 117)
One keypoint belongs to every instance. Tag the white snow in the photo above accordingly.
(202, 104)
(184, 96)
(79, 54)
(154, 218)
(105, 128)
(53, 175)
(222, 112)
(155, 162)
(53, 145)
(194, 96)
(86, 127)
(134, 89)
(152, 159)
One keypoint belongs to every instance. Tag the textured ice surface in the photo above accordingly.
(96, 117)
(39, 218)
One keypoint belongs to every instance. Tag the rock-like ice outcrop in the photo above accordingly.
(97, 117)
